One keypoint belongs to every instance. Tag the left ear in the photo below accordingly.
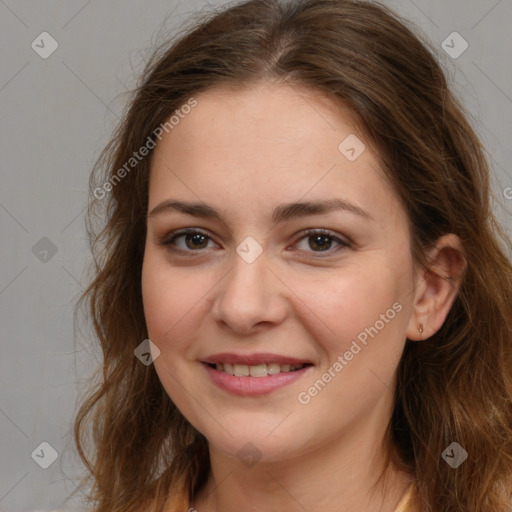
(437, 287)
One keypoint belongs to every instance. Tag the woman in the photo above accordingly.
(300, 294)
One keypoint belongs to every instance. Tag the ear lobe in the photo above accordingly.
(437, 287)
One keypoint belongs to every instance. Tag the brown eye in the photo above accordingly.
(321, 241)
(193, 241)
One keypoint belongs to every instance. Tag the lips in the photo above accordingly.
(254, 374)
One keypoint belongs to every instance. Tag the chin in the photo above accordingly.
(249, 443)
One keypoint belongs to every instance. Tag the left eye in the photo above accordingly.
(196, 240)
(323, 239)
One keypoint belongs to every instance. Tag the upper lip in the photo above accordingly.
(252, 359)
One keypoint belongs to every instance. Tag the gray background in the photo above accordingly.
(56, 115)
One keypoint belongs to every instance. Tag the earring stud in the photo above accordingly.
(420, 328)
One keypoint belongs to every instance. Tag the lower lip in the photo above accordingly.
(253, 386)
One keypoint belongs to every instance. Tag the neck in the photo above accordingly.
(334, 476)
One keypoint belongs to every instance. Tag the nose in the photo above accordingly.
(250, 298)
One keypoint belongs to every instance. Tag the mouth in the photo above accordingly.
(259, 370)
(254, 374)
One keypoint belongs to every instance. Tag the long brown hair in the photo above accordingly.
(454, 387)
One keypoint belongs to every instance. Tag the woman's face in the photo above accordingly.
(253, 170)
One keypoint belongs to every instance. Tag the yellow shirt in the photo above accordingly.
(406, 503)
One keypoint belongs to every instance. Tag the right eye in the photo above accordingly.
(194, 240)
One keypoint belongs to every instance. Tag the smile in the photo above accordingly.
(260, 370)
(254, 380)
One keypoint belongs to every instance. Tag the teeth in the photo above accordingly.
(241, 370)
(273, 368)
(260, 370)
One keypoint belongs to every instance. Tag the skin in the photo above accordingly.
(245, 151)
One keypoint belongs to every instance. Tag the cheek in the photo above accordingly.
(171, 302)
(365, 311)
(176, 305)
(167, 299)
(353, 301)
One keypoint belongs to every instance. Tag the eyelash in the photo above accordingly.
(305, 234)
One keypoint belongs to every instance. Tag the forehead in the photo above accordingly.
(268, 143)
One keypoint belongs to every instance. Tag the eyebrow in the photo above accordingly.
(281, 213)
